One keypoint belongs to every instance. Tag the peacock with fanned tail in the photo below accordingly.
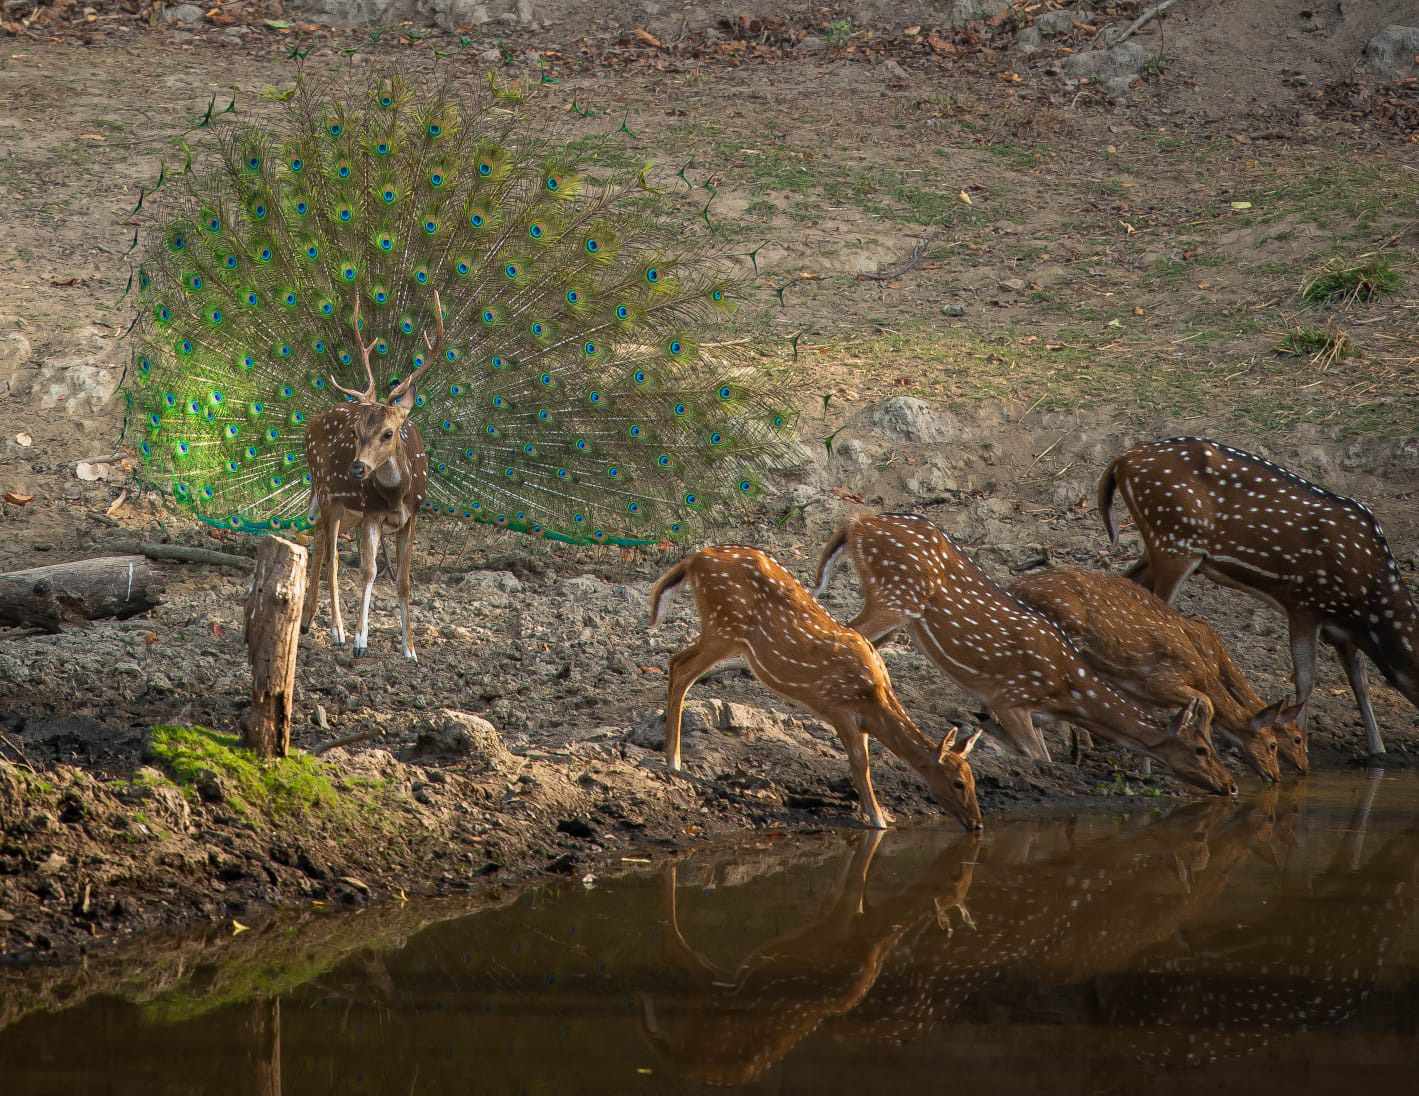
(574, 394)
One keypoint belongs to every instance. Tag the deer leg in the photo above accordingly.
(332, 561)
(404, 552)
(685, 669)
(854, 740)
(1303, 663)
(876, 622)
(317, 568)
(369, 563)
(1020, 732)
(1169, 572)
(1354, 663)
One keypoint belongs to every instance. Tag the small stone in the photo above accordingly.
(811, 42)
(183, 13)
(953, 308)
(1390, 54)
(1029, 40)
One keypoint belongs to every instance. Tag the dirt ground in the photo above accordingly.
(1095, 268)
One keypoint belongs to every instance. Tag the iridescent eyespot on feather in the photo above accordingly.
(154, 419)
(717, 295)
(562, 473)
(499, 402)
(455, 389)
(676, 346)
(264, 254)
(535, 231)
(691, 499)
(552, 183)
(652, 275)
(588, 348)
(431, 226)
(406, 326)
(344, 212)
(716, 439)
(230, 262)
(386, 101)
(381, 347)
(529, 449)
(581, 445)
(272, 434)
(384, 241)
(295, 418)
(538, 329)
(680, 409)
(312, 251)
(345, 358)
(726, 392)
(543, 414)
(327, 307)
(253, 162)
(779, 420)
(545, 380)
(194, 281)
(622, 312)
(335, 129)
(594, 396)
(382, 148)
(184, 347)
(215, 316)
(233, 466)
(488, 316)
(435, 179)
(163, 313)
(573, 296)
(301, 207)
(592, 247)
(214, 223)
(251, 299)
(484, 168)
(639, 376)
(144, 365)
(510, 270)
(297, 164)
(421, 275)
(613, 472)
(284, 350)
(633, 508)
(286, 390)
(288, 458)
(289, 299)
(462, 267)
(388, 194)
(634, 431)
(663, 460)
(435, 128)
(476, 220)
(746, 486)
(169, 399)
(248, 362)
(259, 211)
(348, 271)
(181, 449)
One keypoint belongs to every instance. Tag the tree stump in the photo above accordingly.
(273, 631)
(87, 589)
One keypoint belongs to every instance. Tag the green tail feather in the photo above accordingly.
(577, 397)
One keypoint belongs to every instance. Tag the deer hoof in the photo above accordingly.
(359, 652)
(410, 655)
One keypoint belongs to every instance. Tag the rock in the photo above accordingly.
(461, 734)
(183, 13)
(14, 356)
(79, 379)
(963, 11)
(1390, 53)
(907, 419)
(1124, 59)
(892, 71)
(1119, 85)
(953, 308)
(12, 791)
(1060, 22)
(811, 42)
(1029, 40)
(741, 719)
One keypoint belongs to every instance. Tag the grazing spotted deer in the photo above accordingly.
(368, 468)
(751, 606)
(1000, 651)
(1156, 655)
(1247, 523)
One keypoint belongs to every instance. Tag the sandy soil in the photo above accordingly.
(549, 645)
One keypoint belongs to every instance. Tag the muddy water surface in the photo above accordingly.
(1266, 946)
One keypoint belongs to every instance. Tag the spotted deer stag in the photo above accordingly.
(1000, 651)
(368, 468)
(1157, 656)
(1247, 523)
(750, 606)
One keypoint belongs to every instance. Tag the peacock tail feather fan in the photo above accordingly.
(578, 394)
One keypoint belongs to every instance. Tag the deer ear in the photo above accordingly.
(970, 745)
(947, 741)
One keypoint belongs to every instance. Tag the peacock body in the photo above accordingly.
(574, 395)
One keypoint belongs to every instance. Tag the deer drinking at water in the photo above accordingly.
(1247, 523)
(1158, 656)
(1000, 651)
(750, 606)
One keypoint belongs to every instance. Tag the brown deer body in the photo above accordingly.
(1156, 655)
(1247, 523)
(1001, 652)
(751, 606)
(368, 468)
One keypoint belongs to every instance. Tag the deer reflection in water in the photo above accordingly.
(733, 1025)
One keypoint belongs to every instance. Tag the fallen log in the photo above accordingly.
(87, 589)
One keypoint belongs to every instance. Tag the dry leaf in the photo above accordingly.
(1127, 228)
(1241, 205)
(17, 499)
(646, 38)
(116, 503)
(1137, 311)
(965, 197)
(64, 283)
(24, 439)
(237, 927)
(91, 137)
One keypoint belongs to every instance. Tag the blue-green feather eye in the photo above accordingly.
(488, 316)
(510, 270)
(476, 220)
(726, 392)
(435, 128)
(343, 171)
(652, 275)
(573, 296)
(462, 267)
(289, 299)
(264, 254)
(312, 251)
(594, 396)
(435, 179)
(553, 184)
(215, 316)
(716, 439)
(335, 129)
(382, 149)
(746, 486)
(622, 312)
(431, 226)
(664, 460)
(302, 207)
(485, 169)
(634, 431)
(538, 329)
(297, 164)
(640, 376)
(230, 262)
(680, 409)
(588, 348)
(386, 101)
(214, 223)
(717, 295)
(676, 347)
(253, 163)
(535, 231)
(388, 194)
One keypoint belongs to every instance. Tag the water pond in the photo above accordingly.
(1268, 945)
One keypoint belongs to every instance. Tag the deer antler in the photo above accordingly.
(367, 396)
(435, 348)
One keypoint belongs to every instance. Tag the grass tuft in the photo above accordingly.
(1364, 281)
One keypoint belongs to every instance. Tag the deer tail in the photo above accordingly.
(665, 588)
(837, 543)
(1107, 483)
